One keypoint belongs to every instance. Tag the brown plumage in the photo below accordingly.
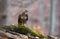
(22, 18)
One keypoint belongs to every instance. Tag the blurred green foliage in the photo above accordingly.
(23, 30)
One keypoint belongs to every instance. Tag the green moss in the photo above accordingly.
(23, 30)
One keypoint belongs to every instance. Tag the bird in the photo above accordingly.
(22, 18)
(21, 28)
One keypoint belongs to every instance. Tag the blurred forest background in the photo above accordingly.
(42, 13)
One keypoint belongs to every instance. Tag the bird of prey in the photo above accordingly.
(22, 18)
